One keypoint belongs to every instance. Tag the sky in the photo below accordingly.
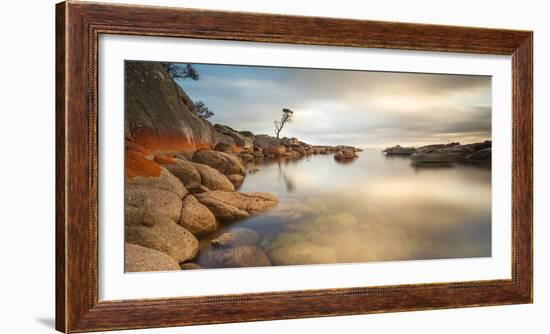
(339, 107)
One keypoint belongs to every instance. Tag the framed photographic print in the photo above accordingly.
(223, 166)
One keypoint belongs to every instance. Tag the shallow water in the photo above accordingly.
(376, 208)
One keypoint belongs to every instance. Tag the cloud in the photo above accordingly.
(371, 109)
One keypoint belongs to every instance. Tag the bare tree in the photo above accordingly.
(285, 118)
(181, 71)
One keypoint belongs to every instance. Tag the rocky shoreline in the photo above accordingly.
(182, 176)
(174, 199)
(476, 153)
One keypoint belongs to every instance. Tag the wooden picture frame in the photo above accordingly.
(78, 26)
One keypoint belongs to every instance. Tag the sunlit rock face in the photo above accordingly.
(159, 114)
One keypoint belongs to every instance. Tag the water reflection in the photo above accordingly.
(375, 209)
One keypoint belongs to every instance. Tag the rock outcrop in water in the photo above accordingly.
(346, 154)
(181, 176)
(446, 153)
(399, 150)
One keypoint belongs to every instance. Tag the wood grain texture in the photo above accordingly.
(78, 27)
(60, 180)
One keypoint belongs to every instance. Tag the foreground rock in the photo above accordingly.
(153, 201)
(164, 235)
(140, 259)
(224, 163)
(183, 170)
(241, 256)
(141, 171)
(196, 187)
(230, 206)
(196, 218)
(236, 179)
(212, 179)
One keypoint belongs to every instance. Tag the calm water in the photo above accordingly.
(375, 208)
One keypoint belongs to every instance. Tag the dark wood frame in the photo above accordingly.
(78, 26)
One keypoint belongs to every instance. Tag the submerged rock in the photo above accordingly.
(294, 248)
(343, 220)
(241, 256)
(237, 237)
(140, 259)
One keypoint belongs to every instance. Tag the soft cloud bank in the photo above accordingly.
(366, 109)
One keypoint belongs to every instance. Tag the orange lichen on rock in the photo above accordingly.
(166, 142)
(137, 165)
(164, 159)
(236, 149)
(129, 145)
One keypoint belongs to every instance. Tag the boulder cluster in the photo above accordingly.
(171, 200)
(249, 147)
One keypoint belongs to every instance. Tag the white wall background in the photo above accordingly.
(27, 70)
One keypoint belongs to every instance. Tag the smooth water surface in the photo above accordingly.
(376, 208)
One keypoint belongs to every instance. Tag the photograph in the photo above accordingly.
(236, 166)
